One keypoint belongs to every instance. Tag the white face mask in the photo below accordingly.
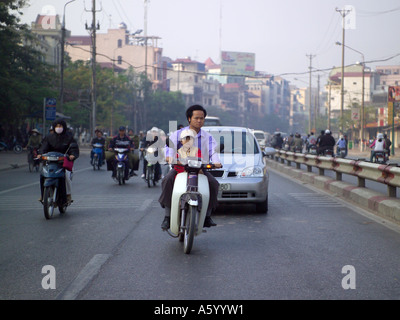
(59, 130)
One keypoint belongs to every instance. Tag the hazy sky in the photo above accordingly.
(280, 32)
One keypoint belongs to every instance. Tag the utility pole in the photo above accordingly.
(316, 107)
(329, 105)
(61, 98)
(343, 13)
(145, 91)
(93, 29)
(310, 56)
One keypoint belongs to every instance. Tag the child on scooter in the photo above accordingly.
(188, 149)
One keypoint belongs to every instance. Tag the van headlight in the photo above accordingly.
(252, 172)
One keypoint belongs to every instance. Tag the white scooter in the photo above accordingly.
(189, 203)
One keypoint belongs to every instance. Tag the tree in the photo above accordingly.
(24, 79)
(164, 107)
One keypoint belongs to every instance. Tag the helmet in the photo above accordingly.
(327, 131)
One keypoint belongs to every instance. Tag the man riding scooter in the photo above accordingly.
(207, 145)
(326, 143)
(111, 162)
(151, 138)
(99, 139)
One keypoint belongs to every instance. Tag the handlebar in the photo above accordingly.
(195, 164)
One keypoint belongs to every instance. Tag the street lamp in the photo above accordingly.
(62, 59)
(362, 97)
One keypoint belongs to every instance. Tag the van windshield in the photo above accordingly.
(259, 135)
(212, 121)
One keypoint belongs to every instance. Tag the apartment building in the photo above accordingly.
(48, 30)
(122, 49)
(389, 75)
(353, 87)
(189, 77)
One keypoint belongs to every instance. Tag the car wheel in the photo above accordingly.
(262, 207)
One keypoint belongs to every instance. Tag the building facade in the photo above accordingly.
(189, 77)
(120, 48)
(49, 32)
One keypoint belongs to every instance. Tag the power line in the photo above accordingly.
(377, 13)
(315, 70)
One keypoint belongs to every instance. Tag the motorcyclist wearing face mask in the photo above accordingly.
(60, 141)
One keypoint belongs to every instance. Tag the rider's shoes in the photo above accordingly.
(40, 200)
(69, 199)
(132, 174)
(165, 223)
(142, 176)
(208, 222)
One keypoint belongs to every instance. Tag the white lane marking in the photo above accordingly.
(84, 277)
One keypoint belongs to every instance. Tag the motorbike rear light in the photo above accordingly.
(52, 158)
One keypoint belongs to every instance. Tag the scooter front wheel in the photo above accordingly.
(149, 175)
(94, 162)
(48, 201)
(190, 226)
(121, 175)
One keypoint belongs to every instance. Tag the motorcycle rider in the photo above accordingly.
(377, 145)
(35, 139)
(277, 141)
(195, 115)
(290, 141)
(319, 140)
(100, 140)
(151, 138)
(134, 163)
(297, 143)
(311, 141)
(61, 140)
(341, 144)
(121, 136)
(327, 142)
(388, 143)
(33, 145)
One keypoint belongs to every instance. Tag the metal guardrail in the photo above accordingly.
(382, 173)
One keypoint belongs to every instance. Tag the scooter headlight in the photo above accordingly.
(151, 150)
(194, 163)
